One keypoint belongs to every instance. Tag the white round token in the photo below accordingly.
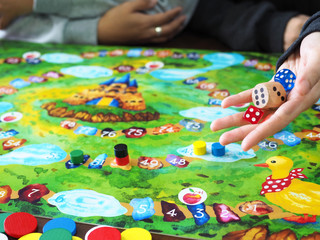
(11, 117)
(192, 196)
(3, 237)
(31, 55)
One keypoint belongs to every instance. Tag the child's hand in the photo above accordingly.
(11, 9)
(305, 63)
(127, 24)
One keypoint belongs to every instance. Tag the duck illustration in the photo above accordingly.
(284, 189)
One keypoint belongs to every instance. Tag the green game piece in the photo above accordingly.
(56, 233)
(76, 156)
(3, 217)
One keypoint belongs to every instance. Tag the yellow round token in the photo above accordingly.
(76, 238)
(31, 236)
(136, 234)
(199, 148)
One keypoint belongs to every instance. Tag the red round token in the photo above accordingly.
(103, 233)
(19, 224)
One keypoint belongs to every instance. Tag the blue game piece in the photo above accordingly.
(287, 79)
(142, 208)
(199, 213)
(218, 150)
(288, 138)
(98, 161)
(62, 222)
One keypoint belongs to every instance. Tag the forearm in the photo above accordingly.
(312, 25)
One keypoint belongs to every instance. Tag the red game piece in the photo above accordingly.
(121, 154)
(253, 114)
(19, 224)
(103, 233)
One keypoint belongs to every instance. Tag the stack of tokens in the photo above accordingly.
(121, 154)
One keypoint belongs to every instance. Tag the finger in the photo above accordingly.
(236, 135)
(141, 5)
(164, 18)
(234, 120)
(168, 31)
(240, 98)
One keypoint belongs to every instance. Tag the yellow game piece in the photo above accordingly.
(136, 234)
(76, 238)
(199, 148)
(31, 236)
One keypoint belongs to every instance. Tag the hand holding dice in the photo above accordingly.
(270, 95)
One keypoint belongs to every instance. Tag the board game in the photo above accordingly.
(55, 99)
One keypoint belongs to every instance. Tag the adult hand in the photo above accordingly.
(11, 9)
(127, 24)
(304, 62)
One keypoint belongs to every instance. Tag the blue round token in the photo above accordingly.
(65, 223)
(218, 150)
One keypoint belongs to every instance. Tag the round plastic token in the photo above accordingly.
(3, 237)
(76, 156)
(136, 234)
(11, 117)
(76, 238)
(31, 236)
(103, 233)
(3, 217)
(19, 224)
(65, 223)
(55, 234)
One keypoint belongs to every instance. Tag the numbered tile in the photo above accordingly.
(33, 61)
(136, 52)
(33, 193)
(177, 161)
(213, 101)
(288, 138)
(250, 62)
(219, 94)
(143, 208)
(171, 212)
(224, 214)
(88, 55)
(142, 70)
(168, 128)
(13, 143)
(36, 79)
(8, 134)
(267, 145)
(193, 80)
(103, 53)
(311, 134)
(5, 194)
(177, 55)
(206, 86)
(68, 124)
(124, 68)
(164, 53)
(7, 90)
(148, 53)
(52, 74)
(115, 53)
(86, 130)
(70, 165)
(135, 132)
(19, 83)
(108, 132)
(192, 125)
(314, 107)
(263, 66)
(98, 161)
(255, 208)
(13, 60)
(199, 213)
(193, 56)
(149, 163)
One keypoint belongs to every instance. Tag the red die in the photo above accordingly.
(253, 115)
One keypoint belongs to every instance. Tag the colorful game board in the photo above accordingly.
(58, 98)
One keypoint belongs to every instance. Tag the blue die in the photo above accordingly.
(286, 77)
